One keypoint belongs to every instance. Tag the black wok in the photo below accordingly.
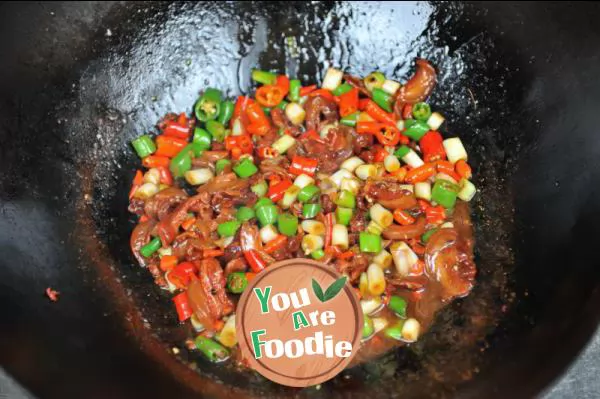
(79, 81)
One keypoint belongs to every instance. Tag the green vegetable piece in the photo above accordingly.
(427, 235)
(264, 77)
(287, 224)
(444, 193)
(309, 211)
(260, 189)
(416, 130)
(383, 99)
(294, 94)
(245, 168)
(421, 111)
(221, 164)
(266, 215)
(344, 215)
(208, 105)
(402, 151)
(350, 120)
(244, 214)
(395, 331)
(266, 110)
(217, 130)
(202, 138)
(368, 329)
(346, 199)
(398, 305)
(374, 80)
(181, 162)
(263, 201)
(237, 282)
(228, 229)
(213, 351)
(317, 254)
(307, 193)
(342, 89)
(282, 104)
(149, 249)
(369, 242)
(144, 146)
(226, 112)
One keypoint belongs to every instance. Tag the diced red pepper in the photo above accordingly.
(362, 104)
(277, 190)
(240, 106)
(432, 146)
(435, 214)
(182, 274)
(284, 83)
(421, 173)
(168, 262)
(447, 167)
(265, 152)
(348, 102)
(169, 146)
(423, 204)
(154, 161)
(380, 154)
(312, 135)
(239, 145)
(177, 130)
(302, 165)
(307, 89)
(269, 95)
(165, 175)
(137, 181)
(182, 304)
(275, 244)
(379, 114)
(257, 264)
(323, 93)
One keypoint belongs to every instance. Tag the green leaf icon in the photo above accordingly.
(331, 292)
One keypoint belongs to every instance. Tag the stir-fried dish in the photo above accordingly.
(354, 174)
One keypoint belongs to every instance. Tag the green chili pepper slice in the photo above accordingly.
(346, 199)
(264, 77)
(245, 168)
(374, 80)
(444, 193)
(217, 130)
(150, 248)
(181, 162)
(214, 351)
(421, 111)
(350, 120)
(221, 164)
(416, 130)
(287, 224)
(202, 137)
(343, 215)
(342, 89)
(237, 282)
(282, 104)
(262, 202)
(383, 99)
(244, 214)
(427, 235)
(266, 215)
(294, 94)
(402, 151)
(398, 305)
(395, 331)
(369, 242)
(317, 254)
(309, 211)
(368, 328)
(226, 112)
(308, 193)
(208, 105)
(144, 146)
(228, 229)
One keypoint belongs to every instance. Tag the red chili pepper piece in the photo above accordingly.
(169, 146)
(277, 190)
(182, 305)
(165, 175)
(301, 165)
(284, 83)
(432, 146)
(323, 93)
(257, 264)
(379, 114)
(177, 130)
(182, 274)
(307, 89)
(348, 102)
(407, 111)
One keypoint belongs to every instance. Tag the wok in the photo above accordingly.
(518, 83)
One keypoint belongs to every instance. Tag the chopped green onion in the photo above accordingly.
(308, 193)
(369, 242)
(350, 120)
(245, 168)
(202, 137)
(144, 146)
(395, 331)
(343, 215)
(309, 211)
(368, 329)
(342, 89)
(217, 130)
(374, 80)
(444, 193)
(282, 105)
(260, 189)
(398, 305)
(262, 202)
(264, 77)
(346, 199)
(228, 229)
(237, 282)
(427, 235)
(317, 254)
(208, 105)
(266, 214)
(287, 224)
(150, 248)
(294, 94)
(244, 214)
(226, 112)
(213, 351)
(416, 130)
(421, 111)
(383, 99)
(402, 151)
(221, 164)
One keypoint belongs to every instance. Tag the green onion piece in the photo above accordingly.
(308, 193)
(416, 130)
(237, 282)
(226, 112)
(374, 80)
(264, 77)
(427, 235)
(181, 162)
(342, 89)
(402, 151)
(317, 254)
(217, 130)
(367, 327)
(383, 99)
(309, 211)
(144, 146)
(262, 202)
(294, 94)
(260, 189)
(395, 331)
(282, 104)
(266, 110)
(245, 168)
(213, 351)
(228, 229)
(221, 164)
(346, 199)
(350, 120)
(444, 193)
(398, 305)
(266, 215)
(208, 105)
(202, 137)
(150, 248)
(421, 111)
(244, 214)
(343, 215)
(287, 224)
(369, 242)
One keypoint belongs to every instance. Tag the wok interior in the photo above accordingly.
(522, 104)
